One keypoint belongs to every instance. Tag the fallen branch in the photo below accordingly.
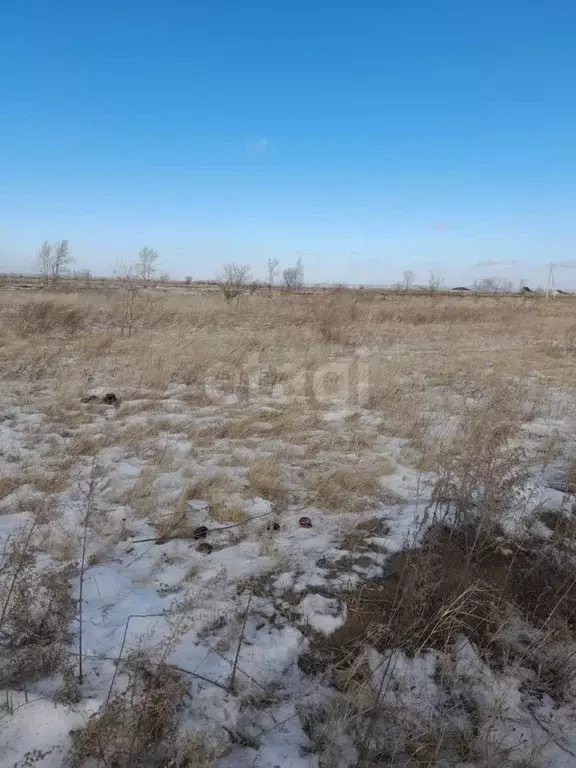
(234, 668)
(547, 732)
(180, 669)
(89, 507)
(118, 660)
(164, 539)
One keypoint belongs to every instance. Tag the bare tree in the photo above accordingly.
(129, 278)
(273, 265)
(435, 282)
(290, 278)
(294, 276)
(147, 264)
(44, 260)
(492, 285)
(299, 272)
(234, 280)
(61, 258)
(53, 260)
(408, 279)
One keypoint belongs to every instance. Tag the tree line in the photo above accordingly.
(54, 260)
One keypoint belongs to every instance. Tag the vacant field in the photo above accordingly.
(306, 530)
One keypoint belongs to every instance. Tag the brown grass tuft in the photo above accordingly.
(216, 490)
(8, 485)
(266, 478)
(349, 489)
(39, 317)
(139, 728)
(47, 482)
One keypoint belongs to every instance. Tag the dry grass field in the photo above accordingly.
(309, 530)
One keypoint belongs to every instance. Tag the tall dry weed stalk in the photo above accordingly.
(36, 610)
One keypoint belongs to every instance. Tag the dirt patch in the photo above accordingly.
(8, 485)
(355, 540)
(563, 528)
(457, 583)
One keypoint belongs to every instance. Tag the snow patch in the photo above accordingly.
(324, 614)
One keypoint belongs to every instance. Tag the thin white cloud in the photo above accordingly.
(442, 226)
(259, 146)
(497, 264)
(368, 262)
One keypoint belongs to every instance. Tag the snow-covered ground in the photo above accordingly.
(296, 518)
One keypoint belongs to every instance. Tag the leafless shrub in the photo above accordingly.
(35, 612)
(479, 476)
(140, 727)
(435, 282)
(234, 280)
(329, 318)
(130, 284)
(333, 317)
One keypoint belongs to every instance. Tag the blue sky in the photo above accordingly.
(368, 137)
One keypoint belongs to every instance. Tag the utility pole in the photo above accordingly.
(550, 286)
